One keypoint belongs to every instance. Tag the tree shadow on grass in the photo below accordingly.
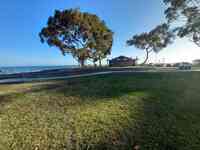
(166, 107)
(159, 127)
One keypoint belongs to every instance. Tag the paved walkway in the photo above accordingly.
(24, 80)
(21, 80)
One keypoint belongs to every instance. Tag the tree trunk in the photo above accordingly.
(147, 57)
(100, 64)
(82, 63)
(94, 63)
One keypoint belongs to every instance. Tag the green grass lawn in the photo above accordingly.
(156, 111)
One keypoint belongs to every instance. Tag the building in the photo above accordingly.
(122, 61)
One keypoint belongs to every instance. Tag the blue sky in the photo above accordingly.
(21, 21)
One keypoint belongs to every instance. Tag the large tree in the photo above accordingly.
(152, 41)
(184, 17)
(81, 34)
(103, 48)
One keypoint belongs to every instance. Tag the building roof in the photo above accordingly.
(122, 58)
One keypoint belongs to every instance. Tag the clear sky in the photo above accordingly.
(21, 21)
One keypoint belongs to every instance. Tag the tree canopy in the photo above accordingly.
(81, 34)
(184, 16)
(152, 41)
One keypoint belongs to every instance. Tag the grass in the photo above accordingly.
(152, 110)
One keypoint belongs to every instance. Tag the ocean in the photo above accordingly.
(24, 69)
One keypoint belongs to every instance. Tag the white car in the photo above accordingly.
(185, 66)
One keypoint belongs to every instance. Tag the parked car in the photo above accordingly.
(185, 66)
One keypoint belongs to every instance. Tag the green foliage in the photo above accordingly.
(81, 34)
(185, 13)
(153, 41)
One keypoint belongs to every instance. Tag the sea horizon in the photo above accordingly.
(25, 69)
